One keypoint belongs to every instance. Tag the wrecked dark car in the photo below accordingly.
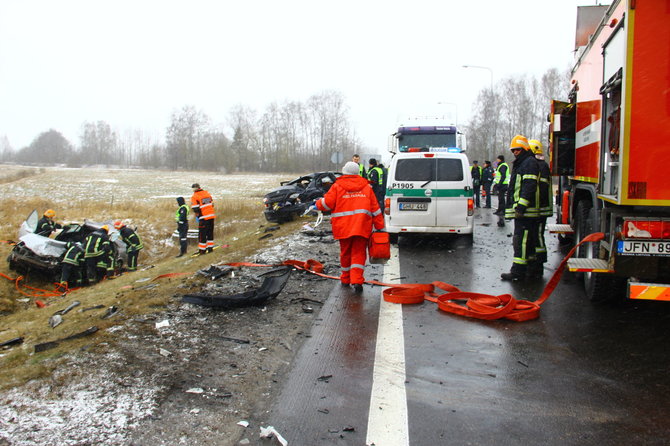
(293, 197)
(43, 255)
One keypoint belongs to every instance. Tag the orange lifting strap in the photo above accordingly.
(480, 306)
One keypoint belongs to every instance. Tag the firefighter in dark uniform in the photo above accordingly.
(376, 178)
(522, 206)
(133, 243)
(181, 217)
(487, 180)
(546, 207)
(46, 224)
(476, 173)
(97, 253)
(72, 265)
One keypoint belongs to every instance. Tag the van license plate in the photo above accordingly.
(640, 248)
(413, 206)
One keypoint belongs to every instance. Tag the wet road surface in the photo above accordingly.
(581, 374)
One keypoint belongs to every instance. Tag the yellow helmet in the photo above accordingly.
(535, 146)
(519, 142)
(50, 213)
(105, 227)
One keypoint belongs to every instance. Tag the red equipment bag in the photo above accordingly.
(379, 247)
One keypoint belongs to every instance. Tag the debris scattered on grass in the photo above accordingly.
(239, 341)
(162, 324)
(243, 423)
(197, 390)
(111, 311)
(12, 342)
(51, 344)
(164, 352)
(97, 307)
(55, 320)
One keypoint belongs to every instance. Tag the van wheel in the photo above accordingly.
(393, 238)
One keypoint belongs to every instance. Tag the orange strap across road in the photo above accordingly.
(476, 305)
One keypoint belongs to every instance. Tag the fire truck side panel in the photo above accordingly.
(587, 141)
(589, 103)
(647, 117)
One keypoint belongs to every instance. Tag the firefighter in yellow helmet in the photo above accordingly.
(46, 225)
(522, 206)
(546, 208)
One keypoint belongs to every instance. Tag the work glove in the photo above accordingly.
(197, 219)
(312, 207)
(519, 211)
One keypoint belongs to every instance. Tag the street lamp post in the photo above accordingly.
(482, 68)
(489, 148)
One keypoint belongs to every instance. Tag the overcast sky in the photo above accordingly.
(131, 63)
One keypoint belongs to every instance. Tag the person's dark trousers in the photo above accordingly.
(205, 235)
(476, 188)
(133, 254)
(182, 229)
(536, 266)
(524, 242)
(487, 191)
(502, 192)
(71, 274)
(92, 268)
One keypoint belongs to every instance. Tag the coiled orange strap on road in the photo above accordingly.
(476, 305)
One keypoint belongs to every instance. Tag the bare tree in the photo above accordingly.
(6, 150)
(185, 138)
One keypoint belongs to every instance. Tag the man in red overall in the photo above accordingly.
(354, 210)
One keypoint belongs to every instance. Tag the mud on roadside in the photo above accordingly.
(189, 381)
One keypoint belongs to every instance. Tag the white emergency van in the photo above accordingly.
(429, 190)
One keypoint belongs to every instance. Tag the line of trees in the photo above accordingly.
(514, 105)
(288, 134)
(284, 136)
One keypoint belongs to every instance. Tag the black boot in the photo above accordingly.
(515, 274)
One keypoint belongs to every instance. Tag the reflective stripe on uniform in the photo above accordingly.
(323, 203)
(357, 211)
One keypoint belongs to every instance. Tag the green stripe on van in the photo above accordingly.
(422, 192)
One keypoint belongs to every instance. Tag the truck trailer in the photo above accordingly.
(610, 148)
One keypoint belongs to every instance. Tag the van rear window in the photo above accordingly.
(426, 169)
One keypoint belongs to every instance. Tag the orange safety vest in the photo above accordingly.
(353, 206)
(203, 204)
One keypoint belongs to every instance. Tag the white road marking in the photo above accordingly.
(387, 419)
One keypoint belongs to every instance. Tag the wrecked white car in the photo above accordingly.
(37, 253)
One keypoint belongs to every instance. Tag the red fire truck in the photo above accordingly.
(610, 148)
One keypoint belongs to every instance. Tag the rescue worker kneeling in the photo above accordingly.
(98, 254)
(72, 265)
(133, 243)
(354, 210)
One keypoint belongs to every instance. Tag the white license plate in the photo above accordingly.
(640, 248)
(413, 206)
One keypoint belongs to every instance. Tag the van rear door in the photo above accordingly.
(410, 204)
(450, 192)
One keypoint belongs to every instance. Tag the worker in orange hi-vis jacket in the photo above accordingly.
(203, 208)
(354, 210)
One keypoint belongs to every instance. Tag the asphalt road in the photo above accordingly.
(384, 374)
